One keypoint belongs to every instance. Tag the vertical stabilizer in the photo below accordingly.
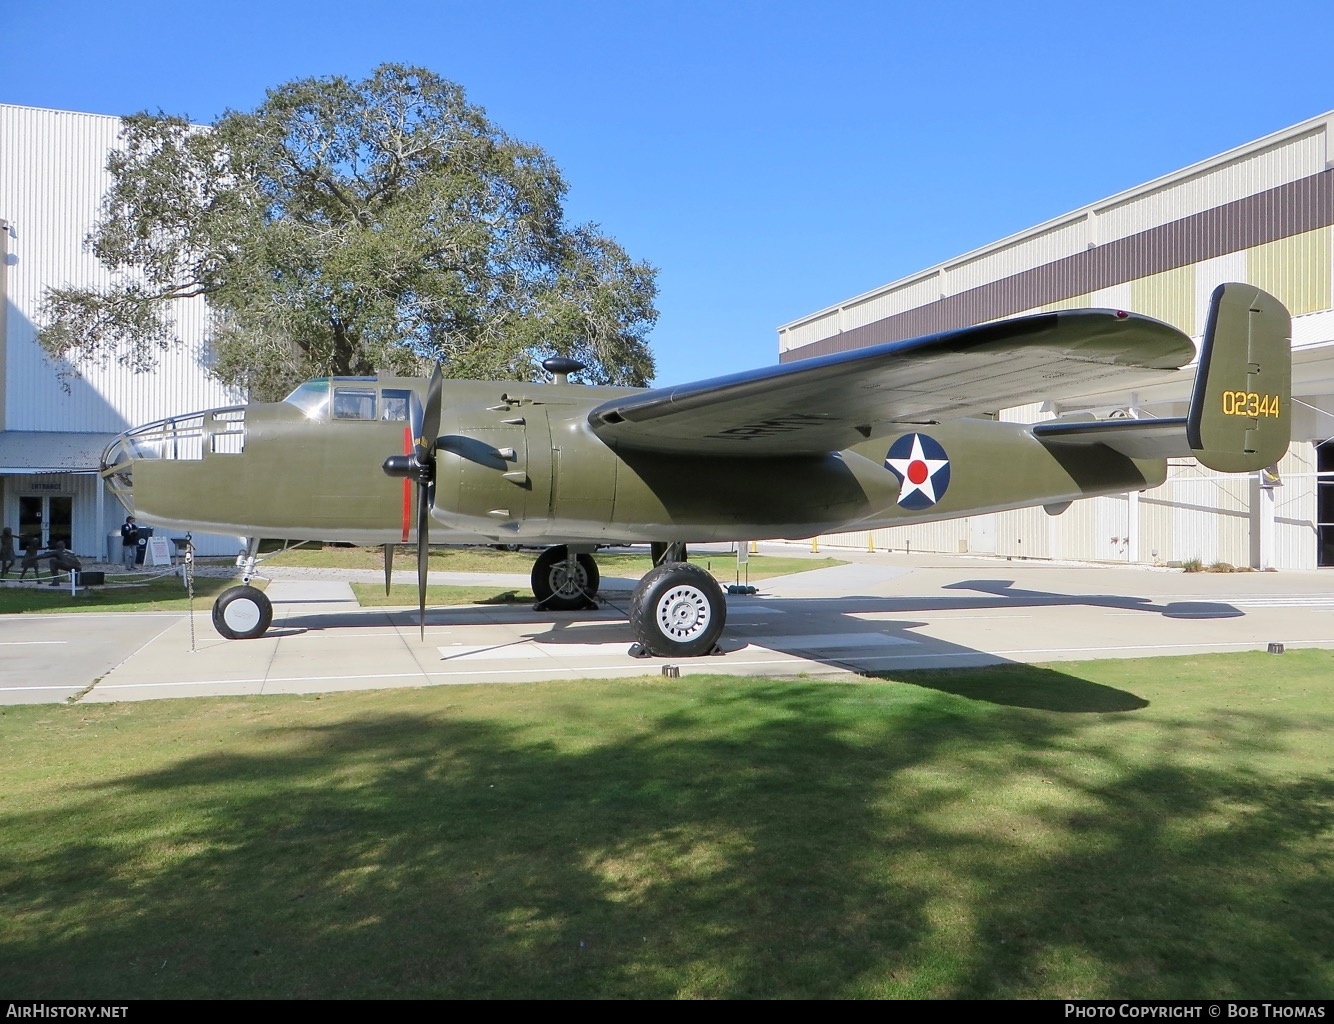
(1240, 410)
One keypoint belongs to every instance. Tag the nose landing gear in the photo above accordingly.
(243, 613)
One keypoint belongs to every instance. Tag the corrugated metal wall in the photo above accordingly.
(52, 178)
(1169, 296)
(907, 296)
(1295, 269)
(1048, 245)
(1222, 180)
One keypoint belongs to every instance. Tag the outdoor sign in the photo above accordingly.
(159, 551)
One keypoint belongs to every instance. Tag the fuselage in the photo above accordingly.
(519, 463)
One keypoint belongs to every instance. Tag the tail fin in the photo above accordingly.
(1240, 415)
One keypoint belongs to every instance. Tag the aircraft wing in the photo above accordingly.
(831, 402)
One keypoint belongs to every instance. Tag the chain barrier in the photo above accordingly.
(188, 571)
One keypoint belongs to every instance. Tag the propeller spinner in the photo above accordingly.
(420, 464)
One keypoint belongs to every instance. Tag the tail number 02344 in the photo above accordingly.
(1248, 403)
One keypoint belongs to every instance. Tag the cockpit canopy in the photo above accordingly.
(351, 398)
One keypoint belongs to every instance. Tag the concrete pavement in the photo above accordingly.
(880, 613)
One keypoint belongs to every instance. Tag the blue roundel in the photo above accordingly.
(923, 469)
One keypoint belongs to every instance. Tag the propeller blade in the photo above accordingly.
(388, 566)
(420, 463)
(423, 552)
(428, 429)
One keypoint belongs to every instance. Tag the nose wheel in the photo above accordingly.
(678, 611)
(242, 613)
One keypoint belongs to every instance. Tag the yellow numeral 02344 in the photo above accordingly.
(1248, 403)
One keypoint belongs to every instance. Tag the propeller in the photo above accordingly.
(420, 465)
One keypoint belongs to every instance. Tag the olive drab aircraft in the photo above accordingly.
(904, 432)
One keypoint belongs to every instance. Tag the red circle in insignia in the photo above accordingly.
(917, 472)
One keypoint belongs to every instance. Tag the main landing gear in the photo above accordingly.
(565, 581)
(676, 611)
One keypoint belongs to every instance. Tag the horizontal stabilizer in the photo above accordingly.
(1136, 439)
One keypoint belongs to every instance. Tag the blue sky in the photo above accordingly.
(769, 158)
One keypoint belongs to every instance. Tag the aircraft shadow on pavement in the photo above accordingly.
(894, 650)
(795, 625)
(1009, 595)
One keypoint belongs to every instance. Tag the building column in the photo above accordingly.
(1132, 527)
(101, 515)
(1266, 525)
(1132, 506)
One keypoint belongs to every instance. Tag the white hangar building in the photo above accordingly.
(1262, 214)
(52, 178)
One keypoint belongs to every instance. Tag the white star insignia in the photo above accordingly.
(918, 472)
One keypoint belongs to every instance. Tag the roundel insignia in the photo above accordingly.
(923, 470)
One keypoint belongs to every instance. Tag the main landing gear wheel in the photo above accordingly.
(242, 613)
(678, 611)
(560, 590)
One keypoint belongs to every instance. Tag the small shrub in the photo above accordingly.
(1222, 567)
(1193, 565)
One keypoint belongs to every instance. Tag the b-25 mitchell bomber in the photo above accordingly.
(897, 433)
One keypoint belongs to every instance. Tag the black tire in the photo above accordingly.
(556, 590)
(678, 611)
(242, 613)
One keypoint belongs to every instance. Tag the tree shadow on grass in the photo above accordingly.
(710, 839)
(1025, 686)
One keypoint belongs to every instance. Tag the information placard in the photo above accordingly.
(159, 551)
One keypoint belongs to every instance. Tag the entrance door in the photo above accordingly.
(982, 534)
(49, 518)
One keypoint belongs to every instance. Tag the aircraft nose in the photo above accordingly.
(117, 470)
(180, 437)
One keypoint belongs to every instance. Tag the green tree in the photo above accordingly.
(348, 227)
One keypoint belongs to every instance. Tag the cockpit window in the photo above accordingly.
(397, 404)
(354, 404)
(312, 397)
(229, 432)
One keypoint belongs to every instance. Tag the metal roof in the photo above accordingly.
(51, 451)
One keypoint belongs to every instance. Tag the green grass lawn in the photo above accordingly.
(146, 594)
(1157, 828)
